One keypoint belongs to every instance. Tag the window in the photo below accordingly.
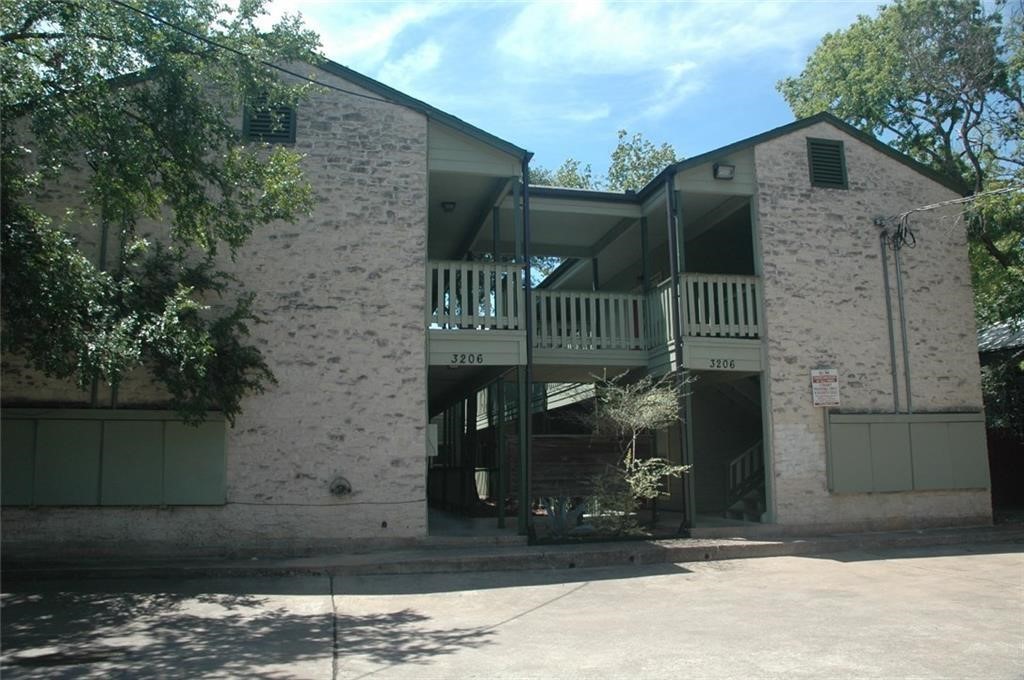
(271, 124)
(827, 163)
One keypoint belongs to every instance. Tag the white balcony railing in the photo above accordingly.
(713, 305)
(721, 305)
(489, 296)
(588, 320)
(478, 295)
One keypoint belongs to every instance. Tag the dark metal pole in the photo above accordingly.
(495, 232)
(502, 452)
(888, 320)
(677, 338)
(527, 448)
(903, 328)
(645, 251)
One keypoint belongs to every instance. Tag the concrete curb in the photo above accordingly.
(514, 558)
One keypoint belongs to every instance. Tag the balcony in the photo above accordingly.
(476, 315)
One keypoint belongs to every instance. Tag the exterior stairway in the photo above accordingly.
(745, 494)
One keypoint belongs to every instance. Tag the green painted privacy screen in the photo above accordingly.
(79, 457)
(900, 452)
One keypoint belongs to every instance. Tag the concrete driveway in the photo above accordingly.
(923, 613)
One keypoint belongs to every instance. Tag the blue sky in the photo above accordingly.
(560, 78)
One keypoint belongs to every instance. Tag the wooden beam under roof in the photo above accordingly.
(499, 188)
(712, 217)
(550, 250)
(620, 228)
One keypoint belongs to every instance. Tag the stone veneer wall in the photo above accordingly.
(342, 294)
(825, 307)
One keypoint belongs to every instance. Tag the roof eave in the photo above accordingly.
(823, 117)
(391, 94)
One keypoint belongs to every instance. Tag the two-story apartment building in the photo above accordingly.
(405, 327)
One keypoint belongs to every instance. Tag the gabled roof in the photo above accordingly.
(823, 117)
(655, 184)
(429, 111)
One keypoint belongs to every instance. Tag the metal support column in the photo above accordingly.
(502, 453)
(675, 258)
(524, 439)
(526, 388)
(645, 254)
(495, 232)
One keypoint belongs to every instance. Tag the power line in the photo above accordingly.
(903, 235)
(213, 43)
(958, 201)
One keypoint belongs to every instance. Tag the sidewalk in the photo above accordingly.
(950, 611)
(456, 558)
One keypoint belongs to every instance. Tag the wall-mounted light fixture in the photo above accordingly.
(448, 206)
(724, 170)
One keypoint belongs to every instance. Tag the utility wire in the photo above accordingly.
(903, 235)
(213, 43)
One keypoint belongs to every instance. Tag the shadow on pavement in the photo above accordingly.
(898, 553)
(414, 584)
(160, 628)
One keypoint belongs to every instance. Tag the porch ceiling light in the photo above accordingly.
(448, 206)
(724, 170)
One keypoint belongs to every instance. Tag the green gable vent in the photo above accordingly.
(271, 124)
(827, 163)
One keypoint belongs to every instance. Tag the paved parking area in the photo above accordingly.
(922, 613)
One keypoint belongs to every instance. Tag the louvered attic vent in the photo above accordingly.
(827, 162)
(273, 124)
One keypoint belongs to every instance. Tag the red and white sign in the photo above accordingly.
(825, 386)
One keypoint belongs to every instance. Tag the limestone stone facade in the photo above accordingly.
(825, 308)
(341, 292)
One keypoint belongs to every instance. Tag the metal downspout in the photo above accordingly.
(677, 339)
(882, 239)
(526, 448)
(903, 329)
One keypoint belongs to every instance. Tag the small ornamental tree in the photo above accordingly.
(626, 411)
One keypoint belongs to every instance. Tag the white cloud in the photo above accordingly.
(406, 71)
(587, 115)
(674, 48)
(678, 83)
(360, 35)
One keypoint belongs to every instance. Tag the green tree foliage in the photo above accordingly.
(636, 161)
(571, 174)
(142, 110)
(943, 81)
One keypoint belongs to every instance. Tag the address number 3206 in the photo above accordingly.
(723, 363)
(463, 358)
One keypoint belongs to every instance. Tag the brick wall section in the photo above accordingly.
(342, 294)
(825, 307)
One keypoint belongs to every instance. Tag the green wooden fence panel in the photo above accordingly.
(17, 462)
(890, 457)
(851, 458)
(105, 457)
(194, 465)
(933, 464)
(67, 470)
(969, 450)
(902, 452)
(133, 463)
